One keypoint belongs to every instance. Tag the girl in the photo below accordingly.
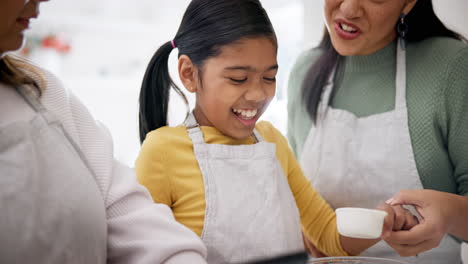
(232, 181)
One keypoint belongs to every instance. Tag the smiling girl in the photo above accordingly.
(234, 182)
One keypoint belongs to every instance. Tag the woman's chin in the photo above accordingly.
(12, 44)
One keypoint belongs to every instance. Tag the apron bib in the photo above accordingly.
(361, 162)
(250, 210)
(51, 208)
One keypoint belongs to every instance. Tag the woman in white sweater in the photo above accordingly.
(63, 198)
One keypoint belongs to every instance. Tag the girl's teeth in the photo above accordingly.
(245, 114)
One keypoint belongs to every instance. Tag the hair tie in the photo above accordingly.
(173, 44)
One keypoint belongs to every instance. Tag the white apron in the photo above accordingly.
(51, 210)
(250, 210)
(361, 162)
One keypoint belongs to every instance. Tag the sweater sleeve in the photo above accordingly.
(454, 118)
(139, 231)
(317, 217)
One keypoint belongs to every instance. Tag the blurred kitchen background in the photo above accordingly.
(100, 50)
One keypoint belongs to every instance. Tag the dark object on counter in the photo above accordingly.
(296, 258)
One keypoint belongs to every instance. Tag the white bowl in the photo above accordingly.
(360, 222)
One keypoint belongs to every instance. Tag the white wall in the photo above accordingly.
(314, 22)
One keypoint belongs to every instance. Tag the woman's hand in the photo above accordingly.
(398, 219)
(442, 213)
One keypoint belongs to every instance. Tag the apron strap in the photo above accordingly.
(400, 99)
(258, 138)
(190, 121)
(326, 96)
(194, 131)
(32, 99)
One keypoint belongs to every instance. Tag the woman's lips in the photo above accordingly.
(347, 31)
(24, 22)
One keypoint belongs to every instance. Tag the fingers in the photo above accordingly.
(418, 234)
(413, 250)
(413, 197)
(410, 221)
(404, 218)
(389, 219)
(400, 217)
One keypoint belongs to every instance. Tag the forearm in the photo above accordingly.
(318, 221)
(355, 246)
(459, 227)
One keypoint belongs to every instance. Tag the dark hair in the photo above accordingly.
(422, 24)
(207, 25)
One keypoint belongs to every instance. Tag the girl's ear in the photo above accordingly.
(188, 73)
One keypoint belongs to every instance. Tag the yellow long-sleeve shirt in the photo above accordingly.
(168, 168)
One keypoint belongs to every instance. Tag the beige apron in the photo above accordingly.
(250, 210)
(362, 162)
(51, 210)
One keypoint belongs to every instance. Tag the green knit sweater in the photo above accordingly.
(437, 98)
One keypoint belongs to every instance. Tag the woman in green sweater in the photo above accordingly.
(382, 106)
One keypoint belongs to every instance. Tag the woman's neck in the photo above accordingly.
(368, 63)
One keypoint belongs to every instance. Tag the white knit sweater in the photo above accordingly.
(139, 231)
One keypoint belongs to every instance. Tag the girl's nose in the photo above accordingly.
(256, 94)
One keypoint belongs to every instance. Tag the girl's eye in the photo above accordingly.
(270, 79)
(238, 81)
